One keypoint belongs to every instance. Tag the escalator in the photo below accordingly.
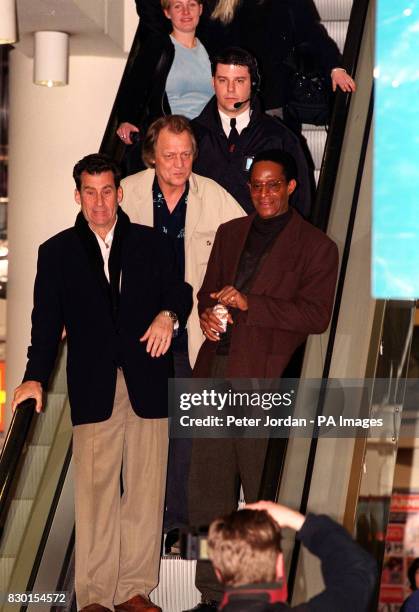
(36, 496)
(35, 491)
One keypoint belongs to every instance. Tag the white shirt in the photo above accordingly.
(242, 121)
(105, 248)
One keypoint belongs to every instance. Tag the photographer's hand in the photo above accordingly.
(285, 517)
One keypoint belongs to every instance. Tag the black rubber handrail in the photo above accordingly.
(12, 452)
(111, 143)
(331, 157)
(50, 519)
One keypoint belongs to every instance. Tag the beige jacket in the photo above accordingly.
(208, 206)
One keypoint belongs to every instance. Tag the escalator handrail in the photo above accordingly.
(50, 519)
(111, 143)
(333, 148)
(12, 451)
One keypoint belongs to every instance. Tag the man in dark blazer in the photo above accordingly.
(115, 288)
(276, 274)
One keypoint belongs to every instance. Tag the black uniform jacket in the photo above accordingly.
(349, 573)
(71, 291)
(267, 29)
(229, 169)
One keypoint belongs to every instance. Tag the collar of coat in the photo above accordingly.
(275, 592)
(143, 190)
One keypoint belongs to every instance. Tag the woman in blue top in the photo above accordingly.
(170, 75)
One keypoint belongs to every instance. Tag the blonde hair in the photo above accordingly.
(244, 547)
(224, 10)
(165, 4)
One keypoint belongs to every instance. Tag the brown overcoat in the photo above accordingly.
(291, 296)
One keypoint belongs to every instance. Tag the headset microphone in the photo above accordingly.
(239, 104)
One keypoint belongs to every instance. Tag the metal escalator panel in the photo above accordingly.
(27, 513)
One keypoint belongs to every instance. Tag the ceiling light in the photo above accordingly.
(51, 59)
(8, 22)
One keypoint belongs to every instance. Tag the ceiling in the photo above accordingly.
(87, 22)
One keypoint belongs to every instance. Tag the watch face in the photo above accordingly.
(170, 314)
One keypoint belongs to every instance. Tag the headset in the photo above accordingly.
(240, 57)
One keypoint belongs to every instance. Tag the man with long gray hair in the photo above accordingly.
(189, 209)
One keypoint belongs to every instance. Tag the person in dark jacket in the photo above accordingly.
(411, 604)
(232, 129)
(171, 73)
(115, 288)
(413, 599)
(269, 29)
(245, 550)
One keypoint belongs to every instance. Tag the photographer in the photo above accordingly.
(245, 550)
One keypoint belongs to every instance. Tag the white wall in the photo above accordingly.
(49, 130)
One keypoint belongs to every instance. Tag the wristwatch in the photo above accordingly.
(173, 316)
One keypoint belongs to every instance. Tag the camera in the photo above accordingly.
(193, 543)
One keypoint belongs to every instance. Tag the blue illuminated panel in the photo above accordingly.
(395, 241)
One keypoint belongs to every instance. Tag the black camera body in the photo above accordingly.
(193, 543)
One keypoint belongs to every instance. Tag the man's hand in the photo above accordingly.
(229, 296)
(211, 326)
(28, 389)
(341, 79)
(159, 336)
(285, 517)
(124, 131)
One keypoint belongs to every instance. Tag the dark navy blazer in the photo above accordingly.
(69, 293)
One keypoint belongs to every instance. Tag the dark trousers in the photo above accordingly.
(176, 513)
(218, 466)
